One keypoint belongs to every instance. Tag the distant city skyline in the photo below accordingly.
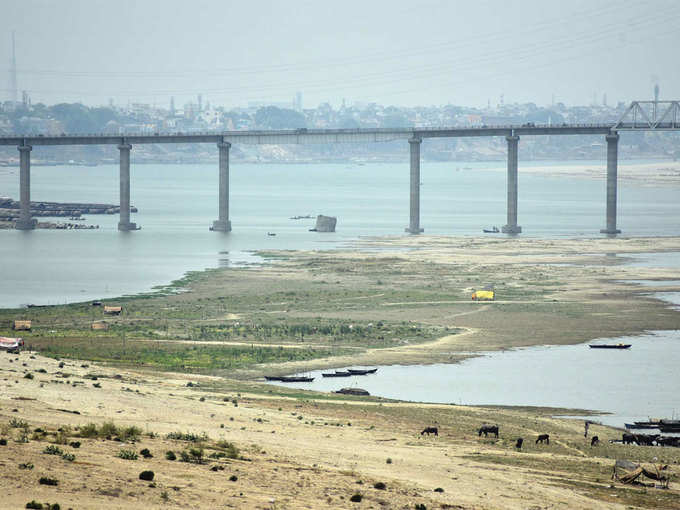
(306, 53)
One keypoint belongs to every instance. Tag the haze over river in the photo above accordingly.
(177, 204)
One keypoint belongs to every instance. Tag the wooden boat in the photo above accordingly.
(651, 424)
(669, 425)
(295, 378)
(272, 378)
(609, 346)
(493, 230)
(336, 374)
(357, 371)
(353, 391)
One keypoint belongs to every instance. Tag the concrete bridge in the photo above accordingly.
(414, 136)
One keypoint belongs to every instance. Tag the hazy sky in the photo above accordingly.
(406, 53)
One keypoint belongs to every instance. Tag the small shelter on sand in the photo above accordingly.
(485, 294)
(100, 325)
(21, 325)
(113, 310)
(628, 472)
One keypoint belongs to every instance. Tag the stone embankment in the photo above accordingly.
(9, 209)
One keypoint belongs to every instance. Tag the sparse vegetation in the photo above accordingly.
(127, 455)
(53, 450)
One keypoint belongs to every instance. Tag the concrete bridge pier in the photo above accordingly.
(223, 224)
(512, 227)
(612, 163)
(124, 223)
(25, 222)
(414, 221)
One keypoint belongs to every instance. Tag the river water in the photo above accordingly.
(177, 204)
(630, 384)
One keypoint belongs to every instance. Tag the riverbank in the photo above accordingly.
(242, 445)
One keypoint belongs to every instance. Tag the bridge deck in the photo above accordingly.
(300, 136)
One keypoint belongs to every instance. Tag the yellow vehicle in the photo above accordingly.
(483, 295)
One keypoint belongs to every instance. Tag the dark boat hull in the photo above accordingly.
(353, 391)
(296, 379)
(337, 374)
(356, 371)
(610, 346)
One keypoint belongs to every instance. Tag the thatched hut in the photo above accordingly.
(21, 325)
(113, 310)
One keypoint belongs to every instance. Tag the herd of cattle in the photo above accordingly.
(638, 439)
(650, 440)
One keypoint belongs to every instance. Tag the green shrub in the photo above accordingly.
(146, 475)
(187, 436)
(130, 433)
(53, 450)
(108, 429)
(170, 455)
(356, 498)
(145, 453)
(128, 455)
(28, 376)
(48, 481)
(193, 455)
(34, 504)
(230, 449)
(69, 457)
(17, 423)
(89, 430)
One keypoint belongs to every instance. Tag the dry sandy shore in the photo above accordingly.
(317, 451)
(299, 453)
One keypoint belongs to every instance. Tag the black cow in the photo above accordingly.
(518, 445)
(488, 429)
(430, 430)
(543, 437)
(629, 439)
(668, 441)
(594, 441)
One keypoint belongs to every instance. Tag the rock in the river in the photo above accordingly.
(325, 223)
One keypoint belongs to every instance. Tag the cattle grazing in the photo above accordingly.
(518, 445)
(668, 441)
(430, 430)
(594, 441)
(629, 439)
(646, 439)
(488, 429)
(543, 437)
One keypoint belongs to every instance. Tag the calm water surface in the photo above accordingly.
(633, 384)
(178, 203)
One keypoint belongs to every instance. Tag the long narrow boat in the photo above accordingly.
(642, 425)
(609, 346)
(336, 374)
(358, 371)
(294, 378)
(272, 378)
